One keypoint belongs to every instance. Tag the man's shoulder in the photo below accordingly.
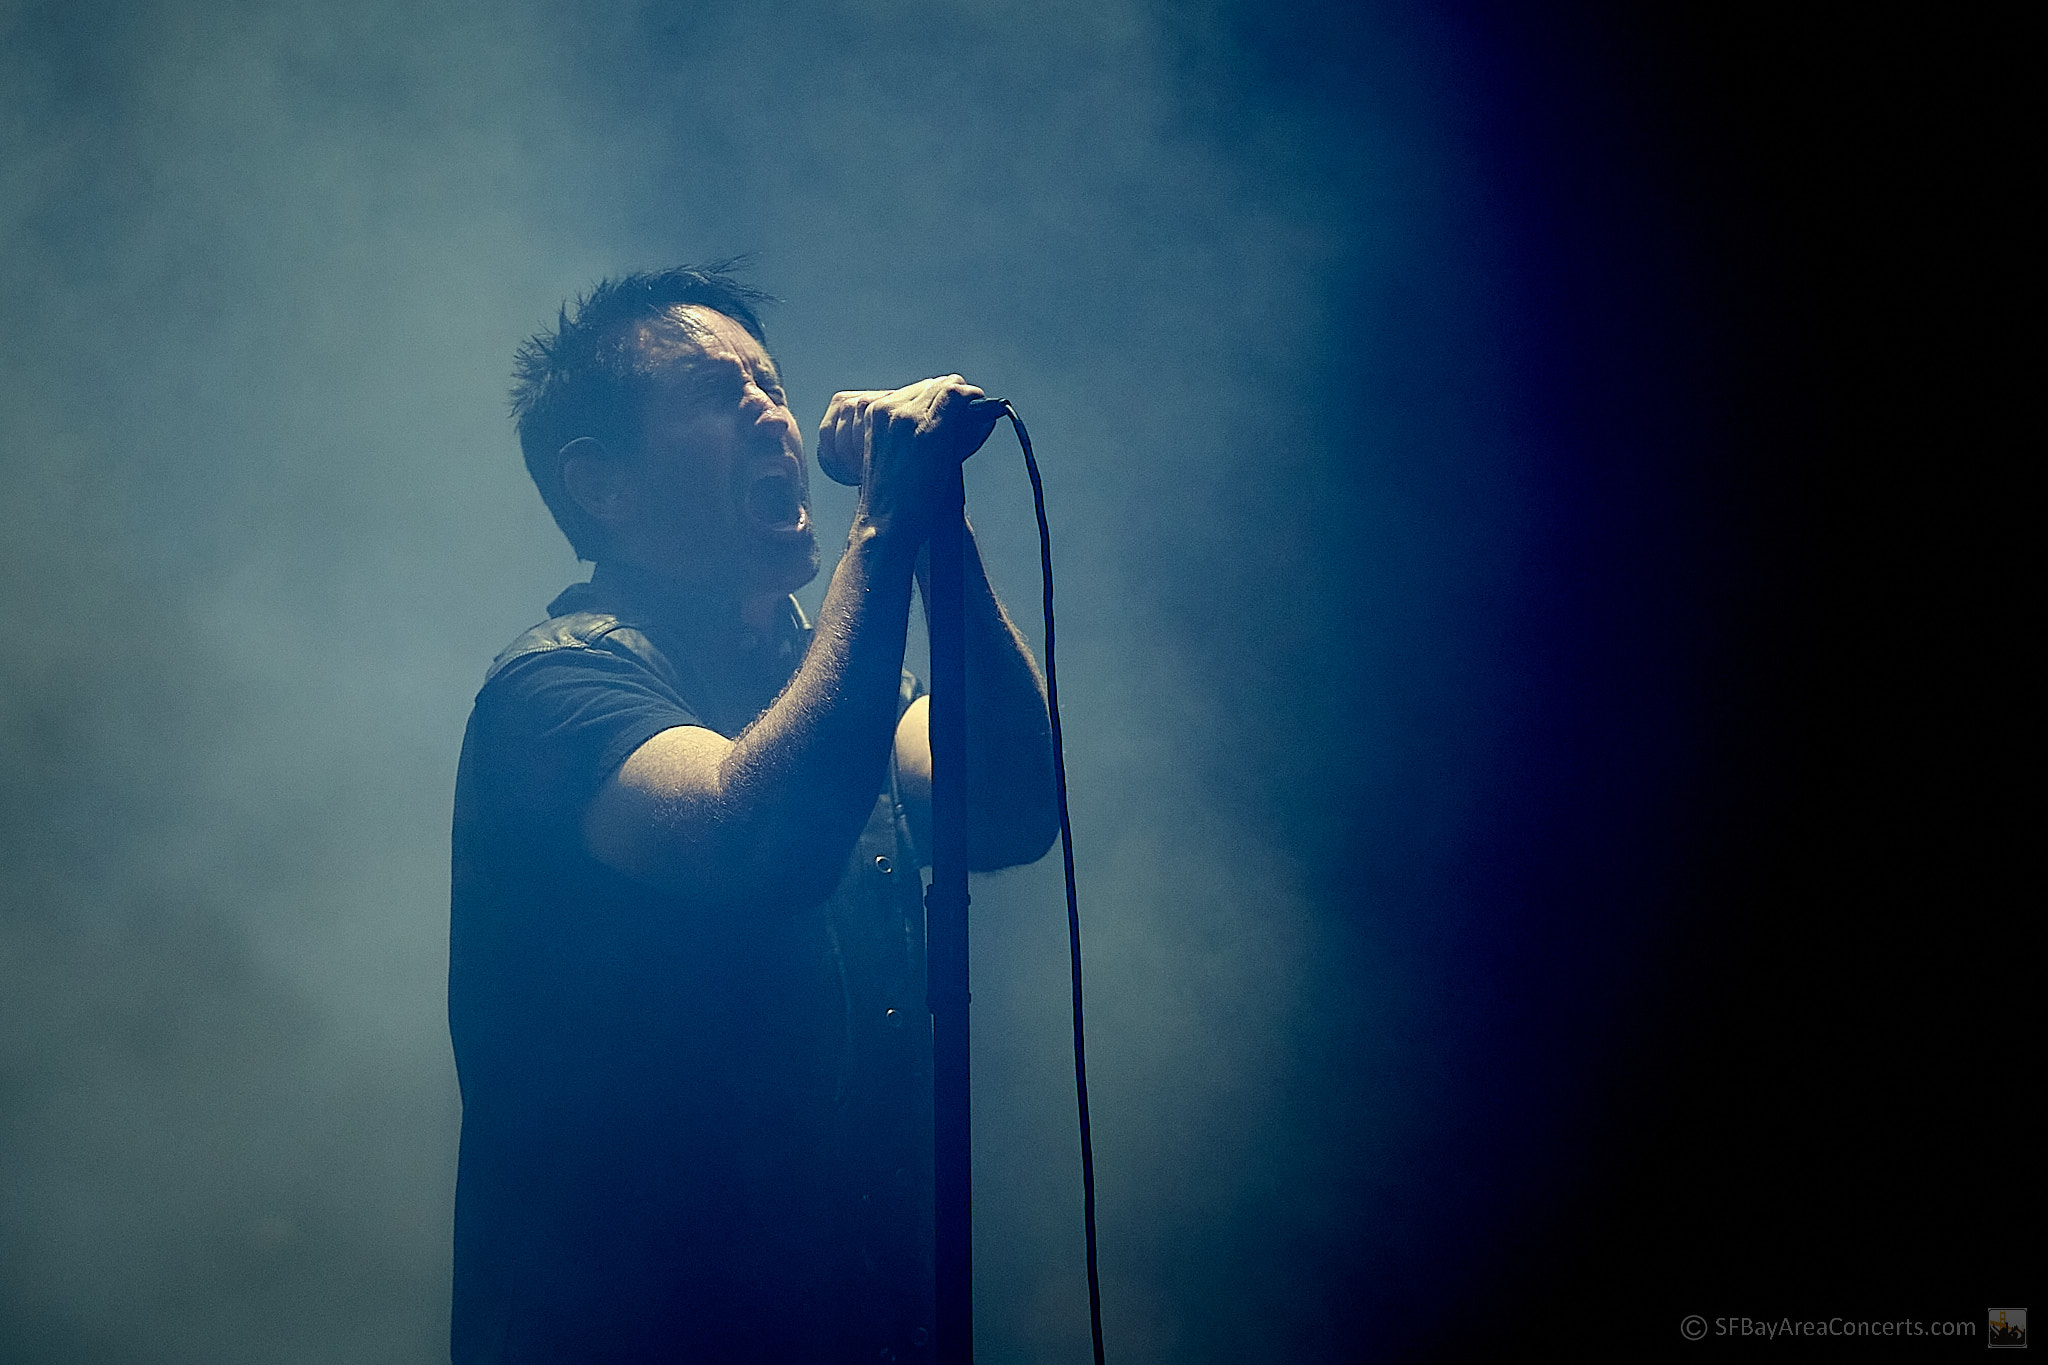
(582, 631)
(613, 635)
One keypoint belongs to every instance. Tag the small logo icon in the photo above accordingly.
(2008, 1328)
(1694, 1327)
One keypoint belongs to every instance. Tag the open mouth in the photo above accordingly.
(775, 504)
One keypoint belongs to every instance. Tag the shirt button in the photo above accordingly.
(884, 866)
(893, 1018)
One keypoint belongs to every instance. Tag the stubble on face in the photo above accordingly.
(725, 487)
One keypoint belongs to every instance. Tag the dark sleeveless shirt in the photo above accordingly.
(691, 1130)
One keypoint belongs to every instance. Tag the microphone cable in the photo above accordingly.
(1059, 769)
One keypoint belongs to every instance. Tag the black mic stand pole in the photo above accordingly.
(946, 926)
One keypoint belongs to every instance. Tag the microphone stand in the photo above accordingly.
(946, 927)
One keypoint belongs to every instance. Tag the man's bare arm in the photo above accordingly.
(769, 816)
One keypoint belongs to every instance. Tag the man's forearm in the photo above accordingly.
(799, 781)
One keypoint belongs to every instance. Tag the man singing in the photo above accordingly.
(686, 978)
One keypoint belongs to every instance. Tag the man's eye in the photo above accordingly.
(711, 388)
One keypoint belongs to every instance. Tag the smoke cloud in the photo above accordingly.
(1337, 608)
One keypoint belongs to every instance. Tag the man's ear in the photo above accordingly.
(599, 482)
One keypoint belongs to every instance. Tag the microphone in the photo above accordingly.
(844, 467)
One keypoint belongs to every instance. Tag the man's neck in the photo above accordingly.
(723, 625)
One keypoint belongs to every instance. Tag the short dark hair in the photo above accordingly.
(586, 377)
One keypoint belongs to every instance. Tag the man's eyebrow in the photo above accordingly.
(693, 363)
(691, 358)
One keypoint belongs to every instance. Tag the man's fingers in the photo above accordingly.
(856, 418)
(843, 434)
(965, 427)
(919, 398)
